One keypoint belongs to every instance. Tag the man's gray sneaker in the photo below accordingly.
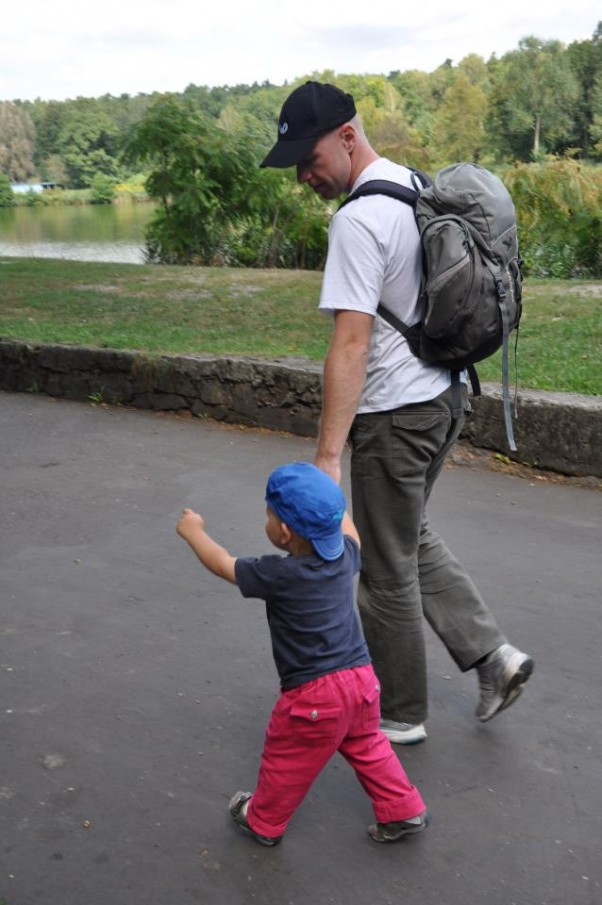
(403, 733)
(397, 829)
(501, 676)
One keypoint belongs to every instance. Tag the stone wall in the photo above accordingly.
(555, 431)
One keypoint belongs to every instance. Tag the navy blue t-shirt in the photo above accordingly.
(310, 608)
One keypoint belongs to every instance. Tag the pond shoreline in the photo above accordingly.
(56, 251)
(111, 233)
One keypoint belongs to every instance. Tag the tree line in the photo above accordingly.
(534, 116)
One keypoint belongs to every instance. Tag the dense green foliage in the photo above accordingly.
(534, 116)
(559, 210)
(541, 98)
(102, 189)
(216, 206)
(7, 198)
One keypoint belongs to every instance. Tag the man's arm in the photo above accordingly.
(344, 376)
(191, 527)
(348, 527)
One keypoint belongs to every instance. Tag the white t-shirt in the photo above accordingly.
(373, 255)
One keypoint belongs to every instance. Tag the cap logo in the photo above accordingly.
(283, 129)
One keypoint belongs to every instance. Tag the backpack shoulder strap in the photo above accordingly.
(384, 187)
(402, 193)
(419, 179)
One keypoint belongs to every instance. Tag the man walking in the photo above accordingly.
(399, 416)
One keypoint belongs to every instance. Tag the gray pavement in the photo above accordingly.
(135, 687)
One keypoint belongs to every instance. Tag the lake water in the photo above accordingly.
(86, 232)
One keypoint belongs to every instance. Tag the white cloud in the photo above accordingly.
(66, 49)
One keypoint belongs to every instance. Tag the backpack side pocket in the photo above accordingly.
(449, 265)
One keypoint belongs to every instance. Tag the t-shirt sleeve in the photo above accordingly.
(353, 275)
(258, 577)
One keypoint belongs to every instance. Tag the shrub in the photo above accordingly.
(102, 189)
(7, 196)
(558, 204)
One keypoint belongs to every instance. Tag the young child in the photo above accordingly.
(330, 695)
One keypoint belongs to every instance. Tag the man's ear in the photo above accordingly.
(348, 136)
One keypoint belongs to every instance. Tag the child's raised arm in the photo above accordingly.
(191, 527)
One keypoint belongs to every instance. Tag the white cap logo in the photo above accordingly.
(283, 128)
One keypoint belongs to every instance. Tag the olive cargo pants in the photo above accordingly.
(407, 570)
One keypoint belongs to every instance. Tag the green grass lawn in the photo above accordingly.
(264, 313)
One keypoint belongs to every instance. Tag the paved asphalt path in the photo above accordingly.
(135, 687)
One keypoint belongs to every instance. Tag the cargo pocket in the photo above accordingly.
(371, 707)
(419, 421)
(418, 437)
(319, 722)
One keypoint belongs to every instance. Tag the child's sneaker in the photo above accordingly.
(397, 829)
(238, 813)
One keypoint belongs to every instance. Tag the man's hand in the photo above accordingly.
(331, 465)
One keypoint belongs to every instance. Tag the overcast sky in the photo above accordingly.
(57, 49)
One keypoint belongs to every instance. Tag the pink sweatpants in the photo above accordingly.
(337, 712)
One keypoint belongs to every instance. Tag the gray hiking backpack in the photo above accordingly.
(472, 281)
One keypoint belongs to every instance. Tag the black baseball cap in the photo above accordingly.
(308, 113)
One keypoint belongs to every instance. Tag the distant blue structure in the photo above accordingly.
(23, 187)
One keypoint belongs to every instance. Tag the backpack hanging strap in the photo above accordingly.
(474, 380)
(457, 396)
(501, 291)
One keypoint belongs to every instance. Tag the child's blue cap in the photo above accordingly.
(310, 503)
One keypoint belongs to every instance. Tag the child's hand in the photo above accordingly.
(191, 526)
(190, 521)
